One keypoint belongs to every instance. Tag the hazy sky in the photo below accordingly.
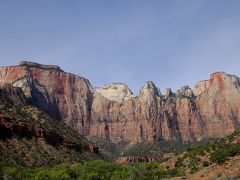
(171, 42)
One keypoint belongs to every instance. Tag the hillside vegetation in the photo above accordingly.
(214, 159)
(20, 146)
(213, 154)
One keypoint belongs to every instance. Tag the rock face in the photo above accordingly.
(11, 94)
(219, 105)
(116, 92)
(64, 96)
(113, 113)
(168, 92)
(185, 91)
(201, 86)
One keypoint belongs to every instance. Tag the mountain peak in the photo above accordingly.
(118, 92)
(150, 89)
(168, 92)
(185, 91)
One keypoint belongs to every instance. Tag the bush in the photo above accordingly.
(179, 163)
(193, 169)
(42, 175)
(172, 172)
(193, 164)
(10, 173)
(205, 163)
(180, 172)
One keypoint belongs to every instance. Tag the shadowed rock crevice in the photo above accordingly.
(45, 101)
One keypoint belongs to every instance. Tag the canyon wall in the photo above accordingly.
(210, 110)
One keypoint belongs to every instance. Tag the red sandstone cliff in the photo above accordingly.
(64, 96)
(212, 109)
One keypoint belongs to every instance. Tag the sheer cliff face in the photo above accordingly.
(211, 109)
(219, 105)
(148, 117)
(64, 96)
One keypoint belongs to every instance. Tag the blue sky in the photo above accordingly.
(171, 42)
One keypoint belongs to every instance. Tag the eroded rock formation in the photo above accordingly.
(211, 109)
(118, 92)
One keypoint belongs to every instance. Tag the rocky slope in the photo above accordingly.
(29, 137)
(214, 159)
(113, 113)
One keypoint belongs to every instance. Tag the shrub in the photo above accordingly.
(193, 169)
(42, 175)
(179, 163)
(10, 173)
(180, 172)
(172, 172)
(205, 163)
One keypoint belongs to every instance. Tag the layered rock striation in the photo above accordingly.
(113, 113)
(64, 96)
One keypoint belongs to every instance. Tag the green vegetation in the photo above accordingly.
(191, 157)
(38, 118)
(157, 150)
(94, 170)
(28, 151)
(211, 151)
(179, 162)
(224, 152)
